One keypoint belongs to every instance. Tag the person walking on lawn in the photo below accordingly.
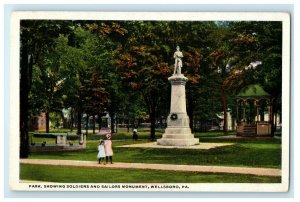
(135, 135)
(108, 148)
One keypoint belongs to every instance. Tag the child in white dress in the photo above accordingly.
(101, 152)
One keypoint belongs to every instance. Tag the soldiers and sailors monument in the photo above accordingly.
(178, 131)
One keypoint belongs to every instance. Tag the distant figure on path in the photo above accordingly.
(178, 62)
(134, 135)
(101, 152)
(108, 148)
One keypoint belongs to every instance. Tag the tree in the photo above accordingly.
(195, 41)
(146, 60)
(261, 43)
(269, 73)
(122, 67)
(36, 38)
(95, 96)
(143, 66)
(230, 58)
(85, 60)
(113, 33)
(46, 93)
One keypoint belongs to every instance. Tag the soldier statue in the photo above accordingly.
(178, 62)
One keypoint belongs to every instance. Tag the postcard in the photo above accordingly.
(149, 101)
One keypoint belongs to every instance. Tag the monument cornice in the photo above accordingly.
(178, 79)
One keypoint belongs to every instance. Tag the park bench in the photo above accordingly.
(70, 136)
(58, 136)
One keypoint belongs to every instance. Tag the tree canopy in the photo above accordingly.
(121, 67)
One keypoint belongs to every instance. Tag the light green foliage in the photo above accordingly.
(253, 91)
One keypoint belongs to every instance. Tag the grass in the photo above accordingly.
(244, 153)
(213, 134)
(143, 133)
(65, 174)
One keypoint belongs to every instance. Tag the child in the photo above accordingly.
(101, 152)
(108, 148)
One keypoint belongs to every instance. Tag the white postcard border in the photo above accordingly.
(161, 16)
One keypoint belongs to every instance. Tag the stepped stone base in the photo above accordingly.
(177, 142)
(178, 137)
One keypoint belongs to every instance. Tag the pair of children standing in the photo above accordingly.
(105, 150)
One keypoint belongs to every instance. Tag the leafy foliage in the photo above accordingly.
(122, 67)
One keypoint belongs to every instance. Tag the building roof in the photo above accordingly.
(253, 91)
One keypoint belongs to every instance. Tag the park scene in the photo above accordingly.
(150, 101)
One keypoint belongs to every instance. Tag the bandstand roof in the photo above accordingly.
(253, 91)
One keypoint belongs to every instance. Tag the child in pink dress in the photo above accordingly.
(108, 148)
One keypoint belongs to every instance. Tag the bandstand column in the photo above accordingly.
(257, 112)
(244, 110)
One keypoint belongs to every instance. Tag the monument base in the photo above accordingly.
(178, 133)
(178, 142)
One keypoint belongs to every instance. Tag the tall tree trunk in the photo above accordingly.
(151, 103)
(24, 138)
(87, 124)
(112, 122)
(224, 103)
(190, 108)
(25, 85)
(116, 126)
(79, 120)
(273, 112)
(152, 126)
(128, 125)
(94, 124)
(99, 121)
(191, 116)
(47, 122)
(71, 120)
(64, 120)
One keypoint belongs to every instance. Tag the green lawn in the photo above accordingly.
(245, 152)
(123, 134)
(66, 174)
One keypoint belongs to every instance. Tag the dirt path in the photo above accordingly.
(189, 168)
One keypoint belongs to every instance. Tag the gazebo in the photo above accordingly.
(253, 110)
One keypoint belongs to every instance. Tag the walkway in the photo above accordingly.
(189, 168)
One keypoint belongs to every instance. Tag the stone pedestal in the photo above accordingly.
(178, 132)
